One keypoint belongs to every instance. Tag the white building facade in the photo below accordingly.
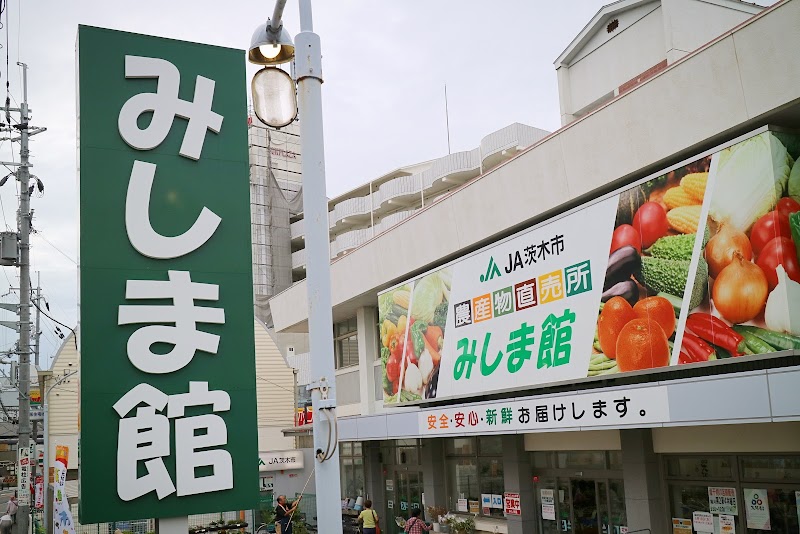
(719, 434)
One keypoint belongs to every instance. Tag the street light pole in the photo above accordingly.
(271, 45)
(308, 68)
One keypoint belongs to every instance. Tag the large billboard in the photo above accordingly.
(168, 401)
(697, 264)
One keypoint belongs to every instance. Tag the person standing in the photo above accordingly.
(12, 508)
(368, 519)
(283, 515)
(415, 525)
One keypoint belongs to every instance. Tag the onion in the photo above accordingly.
(722, 247)
(740, 291)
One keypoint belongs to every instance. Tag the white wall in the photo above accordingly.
(635, 46)
(275, 393)
(63, 403)
(689, 24)
(588, 440)
(711, 92)
(757, 438)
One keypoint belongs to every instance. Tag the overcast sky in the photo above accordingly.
(385, 64)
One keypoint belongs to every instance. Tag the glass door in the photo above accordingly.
(581, 506)
(408, 496)
(584, 504)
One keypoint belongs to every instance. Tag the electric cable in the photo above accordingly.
(74, 334)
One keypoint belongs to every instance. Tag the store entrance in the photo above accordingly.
(404, 496)
(581, 506)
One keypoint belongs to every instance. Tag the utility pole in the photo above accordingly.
(24, 229)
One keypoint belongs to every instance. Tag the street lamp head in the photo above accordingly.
(274, 97)
(270, 46)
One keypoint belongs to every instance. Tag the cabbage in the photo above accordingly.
(427, 297)
(750, 177)
(794, 182)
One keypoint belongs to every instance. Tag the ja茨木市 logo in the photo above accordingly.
(492, 270)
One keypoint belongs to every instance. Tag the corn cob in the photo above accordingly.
(401, 297)
(677, 197)
(695, 185)
(684, 219)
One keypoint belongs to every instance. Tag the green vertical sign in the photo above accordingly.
(168, 394)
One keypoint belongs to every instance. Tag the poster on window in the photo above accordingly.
(727, 524)
(681, 526)
(548, 504)
(757, 509)
(722, 501)
(703, 521)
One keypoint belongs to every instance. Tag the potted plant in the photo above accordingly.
(460, 524)
(436, 516)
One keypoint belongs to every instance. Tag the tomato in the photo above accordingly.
(395, 387)
(625, 235)
(651, 223)
(779, 251)
(767, 228)
(786, 206)
(393, 369)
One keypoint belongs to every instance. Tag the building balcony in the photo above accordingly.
(299, 259)
(504, 143)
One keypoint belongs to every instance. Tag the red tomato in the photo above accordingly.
(767, 228)
(786, 206)
(625, 235)
(779, 251)
(393, 369)
(651, 223)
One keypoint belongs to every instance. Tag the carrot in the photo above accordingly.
(433, 334)
(435, 356)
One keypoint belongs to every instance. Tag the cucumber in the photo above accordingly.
(756, 344)
(777, 339)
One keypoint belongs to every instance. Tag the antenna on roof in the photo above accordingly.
(447, 118)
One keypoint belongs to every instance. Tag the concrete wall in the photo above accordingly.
(755, 438)
(689, 24)
(612, 59)
(707, 96)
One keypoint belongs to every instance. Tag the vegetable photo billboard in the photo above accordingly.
(697, 264)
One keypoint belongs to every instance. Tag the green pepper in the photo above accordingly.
(418, 337)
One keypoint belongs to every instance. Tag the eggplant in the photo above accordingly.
(622, 263)
(626, 289)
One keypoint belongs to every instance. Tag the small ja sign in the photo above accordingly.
(280, 460)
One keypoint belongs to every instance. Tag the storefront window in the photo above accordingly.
(345, 343)
(771, 468)
(407, 452)
(352, 470)
(581, 460)
(460, 446)
(699, 467)
(474, 467)
(615, 460)
(710, 483)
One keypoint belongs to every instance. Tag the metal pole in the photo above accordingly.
(35, 424)
(24, 225)
(318, 280)
(46, 516)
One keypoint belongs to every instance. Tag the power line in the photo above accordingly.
(74, 334)
(274, 384)
(39, 234)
